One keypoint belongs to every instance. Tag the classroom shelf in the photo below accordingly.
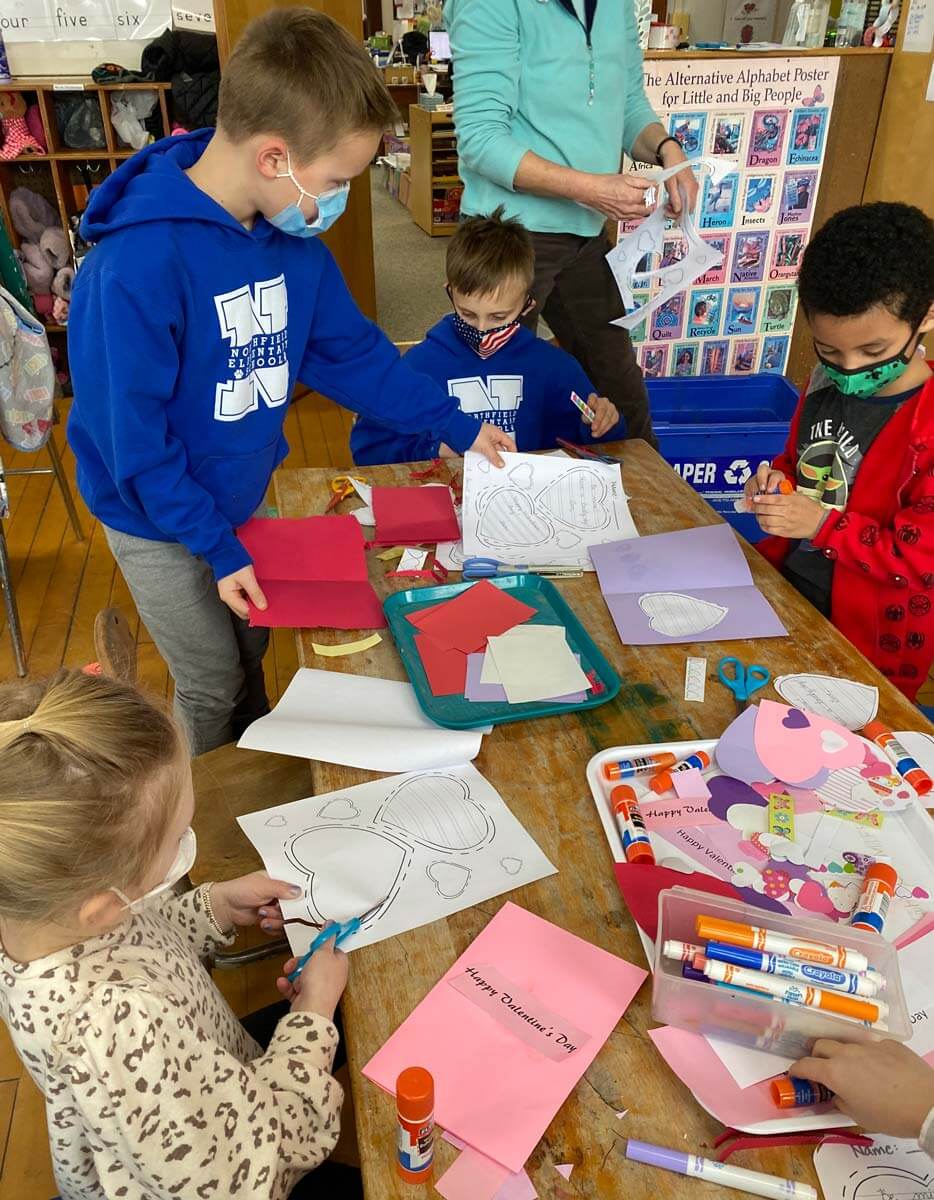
(435, 186)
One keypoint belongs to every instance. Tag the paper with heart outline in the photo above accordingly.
(539, 510)
(677, 587)
(421, 846)
(375, 724)
(846, 701)
(889, 1167)
(504, 1113)
(536, 664)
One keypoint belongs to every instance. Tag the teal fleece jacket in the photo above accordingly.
(522, 82)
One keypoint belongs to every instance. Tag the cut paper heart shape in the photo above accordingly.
(675, 614)
(340, 809)
(798, 747)
(736, 752)
(437, 811)
(577, 499)
(509, 519)
(450, 879)
(337, 892)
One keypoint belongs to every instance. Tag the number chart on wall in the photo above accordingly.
(771, 115)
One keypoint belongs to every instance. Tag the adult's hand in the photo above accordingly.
(620, 196)
(682, 186)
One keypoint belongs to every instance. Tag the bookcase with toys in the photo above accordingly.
(60, 139)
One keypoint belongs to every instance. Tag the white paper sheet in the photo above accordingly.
(375, 724)
(421, 846)
(914, 965)
(891, 1167)
(678, 615)
(535, 662)
(540, 510)
(846, 701)
(748, 1066)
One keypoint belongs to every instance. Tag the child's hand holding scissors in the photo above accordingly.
(321, 983)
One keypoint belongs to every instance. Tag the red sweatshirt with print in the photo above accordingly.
(882, 545)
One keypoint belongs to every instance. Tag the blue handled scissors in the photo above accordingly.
(488, 568)
(744, 681)
(340, 931)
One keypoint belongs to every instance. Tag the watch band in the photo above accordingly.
(658, 148)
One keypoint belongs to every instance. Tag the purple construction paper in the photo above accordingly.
(750, 616)
(495, 693)
(677, 562)
(736, 750)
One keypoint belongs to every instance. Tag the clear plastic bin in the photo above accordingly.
(741, 1017)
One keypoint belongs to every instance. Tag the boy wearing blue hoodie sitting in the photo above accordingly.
(493, 366)
(206, 296)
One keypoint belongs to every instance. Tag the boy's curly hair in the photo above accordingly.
(868, 255)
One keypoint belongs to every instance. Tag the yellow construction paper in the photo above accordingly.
(343, 648)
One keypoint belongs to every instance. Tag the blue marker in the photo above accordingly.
(867, 984)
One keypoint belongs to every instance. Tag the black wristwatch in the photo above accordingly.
(658, 148)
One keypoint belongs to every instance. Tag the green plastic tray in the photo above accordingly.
(456, 712)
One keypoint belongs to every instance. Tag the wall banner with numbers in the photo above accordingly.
(771, 115)
(82, 20)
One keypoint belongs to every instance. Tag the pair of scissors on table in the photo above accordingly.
(487, 568)
(743, 681)
(340, 931)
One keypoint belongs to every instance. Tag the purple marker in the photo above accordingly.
(738, 1178)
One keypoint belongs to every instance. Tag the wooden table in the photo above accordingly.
(538, 767)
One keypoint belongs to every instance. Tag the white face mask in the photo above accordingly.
(699, 257)
(181, 865)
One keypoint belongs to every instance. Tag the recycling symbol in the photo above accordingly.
(738, 471)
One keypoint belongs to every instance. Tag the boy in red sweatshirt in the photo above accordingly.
(857, 536)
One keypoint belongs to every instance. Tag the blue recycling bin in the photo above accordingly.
(715, 431)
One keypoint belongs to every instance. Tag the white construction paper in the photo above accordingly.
(890, 1167)
(678, 615)
(412, 559)
(375, 724)
(420, 846)
(850, 703)
(914, 966)
(748, 1066)
(540, 510)
(536, 664)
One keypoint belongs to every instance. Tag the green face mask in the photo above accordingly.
(864, 382)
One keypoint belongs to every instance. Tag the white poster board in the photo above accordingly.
(83, 20)
(196, 15)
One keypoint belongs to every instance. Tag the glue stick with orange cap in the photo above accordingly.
(415, 1135)
(872, 907)
(899, 757)
(663, 780)
(636, 842)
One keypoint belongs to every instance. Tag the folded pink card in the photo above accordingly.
(313, 573)
(573, 990)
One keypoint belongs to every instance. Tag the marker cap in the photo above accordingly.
(656, 1156)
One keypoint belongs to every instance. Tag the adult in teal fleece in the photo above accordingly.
(548, 97)
(177, 417)
(524, 388)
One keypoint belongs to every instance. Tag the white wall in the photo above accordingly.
(71, 58)
(707, 18)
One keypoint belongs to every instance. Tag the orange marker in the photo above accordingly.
(415, 1135)
(789, 992)
(786, 487)
(713, 929)
(662, 781)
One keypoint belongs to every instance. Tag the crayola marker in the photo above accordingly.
(632, 830)
(793, 993)
(851, 982)
(754, 937)
(662, 781)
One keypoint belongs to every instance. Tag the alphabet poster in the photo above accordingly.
(771, 115)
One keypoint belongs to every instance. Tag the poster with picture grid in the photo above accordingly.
(771, 115)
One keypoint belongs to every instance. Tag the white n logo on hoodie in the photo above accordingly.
(495, 399)
(253, 319)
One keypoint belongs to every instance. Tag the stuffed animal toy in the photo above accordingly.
(17, 137)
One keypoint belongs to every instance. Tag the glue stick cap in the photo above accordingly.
(875, 729)
(623, 794)
(415, 1094)
(784, 1092)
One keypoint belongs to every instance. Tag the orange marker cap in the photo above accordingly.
(710, 929)
(786, 487)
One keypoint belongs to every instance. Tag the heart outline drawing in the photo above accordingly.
(674, 614)
(509, 518)
(450, 879)
(339, 809)
(577, 499)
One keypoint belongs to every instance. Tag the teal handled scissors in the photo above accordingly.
(340, 931)
(488, 568)
(744, 681)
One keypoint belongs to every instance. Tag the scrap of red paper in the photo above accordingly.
(446, 669)
(408, 516)
(313, 573)
(640, 885)
(465, 622)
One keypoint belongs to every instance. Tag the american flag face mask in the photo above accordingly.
(486, 342)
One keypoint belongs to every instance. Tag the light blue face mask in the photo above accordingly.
(292, 220)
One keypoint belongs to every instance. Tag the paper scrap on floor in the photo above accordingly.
(313, 572)
(535, 662)
(693, 585)
(504, 1113)
(421, 846)
(375, 724)
(479, 692)
(540, 510)
(847, 701)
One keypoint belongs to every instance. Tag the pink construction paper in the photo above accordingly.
(472, 1176)
(667, 814)
(517, 1187)
(795, 746)
(505, 1001)
(503, 1113)
(564, 1169)
(690, 785)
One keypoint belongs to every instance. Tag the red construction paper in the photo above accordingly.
(407, 516)
(640, 886)
(479, 612)
(313, 573)
(446, 669)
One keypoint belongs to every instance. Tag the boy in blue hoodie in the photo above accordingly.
(493, 366)
(206, 296)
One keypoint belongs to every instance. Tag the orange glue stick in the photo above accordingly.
(415, 1135)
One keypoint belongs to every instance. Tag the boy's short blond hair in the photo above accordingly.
(300, 75)
(487, 252)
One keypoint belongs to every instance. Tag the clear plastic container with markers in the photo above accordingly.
(771, 981)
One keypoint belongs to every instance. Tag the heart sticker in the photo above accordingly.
(450, 879)
(800, 748)
(677, 615)
(509, 519)
(577, 499)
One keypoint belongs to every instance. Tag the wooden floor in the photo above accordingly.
(60, 583)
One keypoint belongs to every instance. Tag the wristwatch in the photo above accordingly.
(658, 148)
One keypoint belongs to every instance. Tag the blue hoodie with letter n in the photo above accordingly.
(186, 335)
(524, 388)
